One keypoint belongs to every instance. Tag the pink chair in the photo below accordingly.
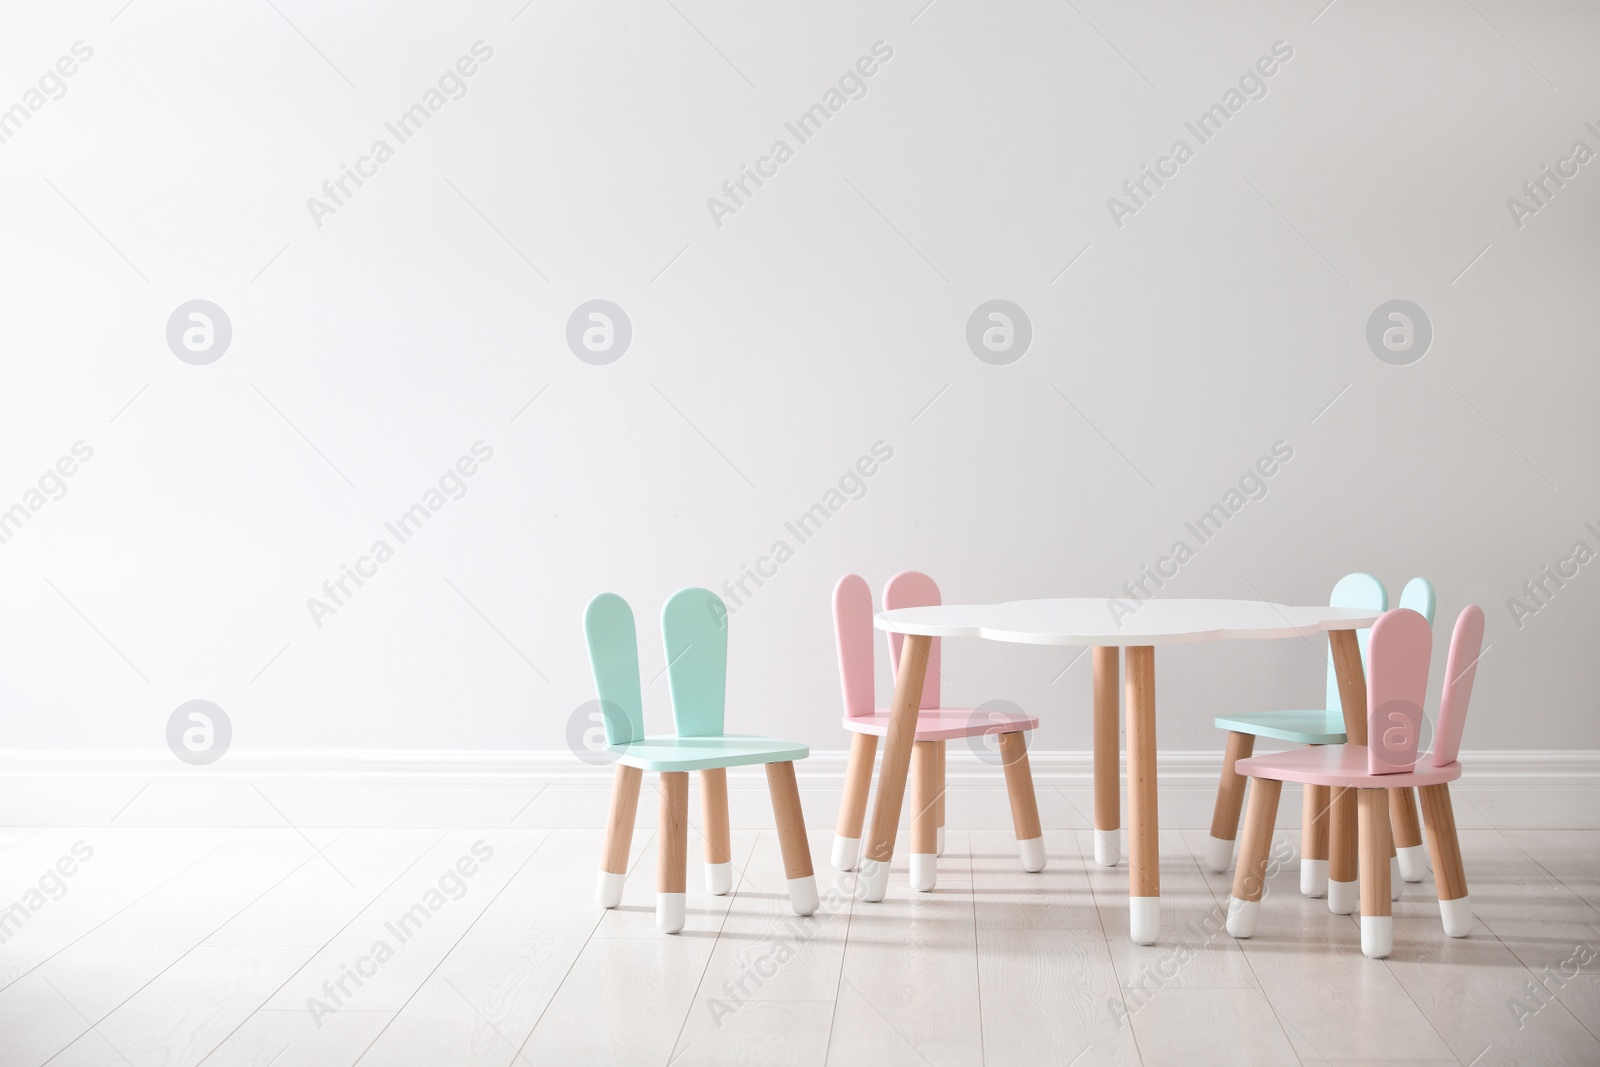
(1397, 682)
(852, 625)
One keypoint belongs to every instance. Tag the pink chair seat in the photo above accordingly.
(941, 724)
(1340, 766)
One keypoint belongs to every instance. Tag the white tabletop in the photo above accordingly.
(1096, 621)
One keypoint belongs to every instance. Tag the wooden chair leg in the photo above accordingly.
(1230, 800)
(853, 808)
(1107, 755)
(1024, 804)
(924, 812)
(672, 851)
(1377, 916)
(1449, 876)
(619, 835)
(944, 785)
(1342, 852)
(1314, 840)
(791, 821)
(1250, 875)
(719, 849)
(1407, 834)
(902, 732)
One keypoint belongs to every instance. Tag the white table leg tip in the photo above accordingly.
(1313, 878)
(719, 878)
(670, 909)
(1343, 896)
(1242, 916)
(1144, 919)
(803, 895)
(1395, 881)
(1031, 852)
(608, 889)
(1219, 854)
(846, 852)
(1107, 847)
(938, 841)
(1457, 916)
(1377, 936)
(1413, 862)
(874, 880)
(924, 871)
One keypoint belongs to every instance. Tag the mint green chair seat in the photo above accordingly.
(694, 628)
(1314, 727)
(670, 752)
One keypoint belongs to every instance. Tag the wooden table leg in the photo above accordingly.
(1107, 758)
(1352, 679)
(1144, 858)
(894, 765)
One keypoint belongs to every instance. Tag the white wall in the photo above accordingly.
(770, 352)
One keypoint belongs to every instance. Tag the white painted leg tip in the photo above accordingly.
(1395, 881)
(1457, 916)
(1242, 916)
(803, 895)
(1144, 919)
(670, 908)
(924, 871)
(1413, 862)
(1031, 852)
(874, 880)
(938, 841)
(1107, 847)
(1314, 878)
(608, 889)
(1219, 854)
(1343, 896)
(1377, 936)
(719, 878)
(846, 852)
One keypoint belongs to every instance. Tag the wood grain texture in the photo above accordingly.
(924, 797)
(1230, 789)
(1144, 863)
(1107, 738)
(1250, 873)
(791, 819)
(1449, 874)
(620, 819)
(1373, 818)
(1019, 786)
(1314, 803)
(673, 836)
(714, 821)
(1403, 818)
(897, 748)
(857, 784)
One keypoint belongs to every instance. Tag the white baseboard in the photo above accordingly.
(1530, 789)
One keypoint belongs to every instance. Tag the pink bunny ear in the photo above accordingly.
(1466, 647)
(913, 589)
(852, 633)
(1397, 683)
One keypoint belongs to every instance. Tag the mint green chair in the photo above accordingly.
(694, 627)
(1319, 726)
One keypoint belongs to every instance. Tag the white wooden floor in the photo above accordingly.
(227, 947)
